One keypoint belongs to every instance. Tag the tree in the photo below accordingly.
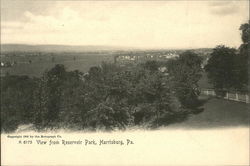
(16, 101)
(106, 93)
(221, 69)
(243, 58)
(49, 98)
(227, 69)
(71, 114)
(151, 66)
(151, 97)
(245, 32)
(185, 72)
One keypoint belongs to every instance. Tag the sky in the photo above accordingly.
(138, 24)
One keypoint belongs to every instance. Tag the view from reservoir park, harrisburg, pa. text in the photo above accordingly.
(121, 65)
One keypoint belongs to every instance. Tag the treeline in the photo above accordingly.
(108, 97)
(228, 68)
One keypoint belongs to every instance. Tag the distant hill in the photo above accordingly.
(87, 48)
(56, 48)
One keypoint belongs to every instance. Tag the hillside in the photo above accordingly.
(56, 48)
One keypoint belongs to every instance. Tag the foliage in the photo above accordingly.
(16, 101)
(228, 68)
(108, 97)
(49, 97)
(185, 72)
(245, 32)
(58, 99)
(243, 58)
(222, 70)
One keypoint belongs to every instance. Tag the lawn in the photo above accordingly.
(218, 113)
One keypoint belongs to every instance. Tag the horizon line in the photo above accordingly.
(115, 46)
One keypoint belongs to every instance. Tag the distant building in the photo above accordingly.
(138, 58)
(162, 69)
(7, 64)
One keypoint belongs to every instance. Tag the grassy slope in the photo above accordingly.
(218, 113)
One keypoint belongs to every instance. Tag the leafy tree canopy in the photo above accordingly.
(185, 72)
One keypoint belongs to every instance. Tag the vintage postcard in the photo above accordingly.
(124, 82)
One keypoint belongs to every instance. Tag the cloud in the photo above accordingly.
(151, 24)
(67, 21)
(223, 8)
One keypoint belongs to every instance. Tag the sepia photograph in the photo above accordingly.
(123, 82)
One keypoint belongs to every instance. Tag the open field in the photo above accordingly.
(36, 65)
